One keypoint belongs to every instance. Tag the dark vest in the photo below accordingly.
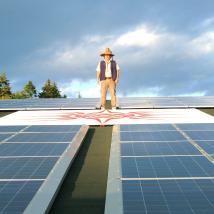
(103, 69)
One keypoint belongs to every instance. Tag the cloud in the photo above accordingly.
(141, 37)
(78, 87)
(153, 60)
(207, 23)
(203, 44)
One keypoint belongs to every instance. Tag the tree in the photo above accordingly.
(50, 90)
(5, 89)
(19, 95)
(29, 90)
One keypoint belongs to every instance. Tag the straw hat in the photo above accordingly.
(107, 52)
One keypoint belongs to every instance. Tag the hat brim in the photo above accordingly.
(103, 54)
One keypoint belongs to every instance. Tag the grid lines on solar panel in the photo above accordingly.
(11, 128)
(42, 137)
(4, 136)
(26, 168)
(158, 148)
(161, 167)
(15, 195)
(167, 174)
(24, 162)
(168, 196)
(49, 103)
(166, 102)
(152, 136)
(32, 149)
(52, 128)
(147, 127)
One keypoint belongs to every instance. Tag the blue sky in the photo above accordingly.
(164, 48)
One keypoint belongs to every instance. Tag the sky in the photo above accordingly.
(163, 47)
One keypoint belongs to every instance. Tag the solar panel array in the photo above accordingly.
(167, 168)
(49, 103)
(28, 156)
(166, 102)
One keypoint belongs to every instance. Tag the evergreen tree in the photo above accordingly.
(5, 89)
(29, 90)
(19, 95)
(50, 90)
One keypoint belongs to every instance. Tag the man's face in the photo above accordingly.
(107, 57)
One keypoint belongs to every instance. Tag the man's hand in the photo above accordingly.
(98, 81)
(116, 81)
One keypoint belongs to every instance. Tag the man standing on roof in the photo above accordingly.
(108, 75)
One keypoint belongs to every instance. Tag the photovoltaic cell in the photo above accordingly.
(196, 127)
(15, 195)
(31, 153)
(26, 168)
(200, 135)
(4, 136)
(168, 196)
(11, 128)
(208, 146)
(158, 148)
(159, 167)
(166, 102)
(32, 149)
(52, 128)
(163, 170)
(151, 136)
(49, 103)
(43, 137)
(147, 127)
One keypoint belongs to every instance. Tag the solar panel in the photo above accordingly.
(53, 128)
(16, 195)
(147, 127)
(49, 103)
(26, 168)
(42, 137)
(152, 136)
(158, 148)
(163, 168)
(11, 128)
(165, 102)
(168, 196)
(4, 136)
(33, 162)
(208, 146)
(32, 149)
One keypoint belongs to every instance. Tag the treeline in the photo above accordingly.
(49, 90)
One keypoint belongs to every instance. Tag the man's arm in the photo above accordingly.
(98, 73)
(118, 73)
(98, 77)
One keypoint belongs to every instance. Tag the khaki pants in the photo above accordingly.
(105, 85)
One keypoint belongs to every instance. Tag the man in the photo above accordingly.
(108, 77)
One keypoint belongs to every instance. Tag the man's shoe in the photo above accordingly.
(114, 108)
(103, 108)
